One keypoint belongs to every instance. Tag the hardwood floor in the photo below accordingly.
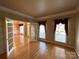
(23, 49)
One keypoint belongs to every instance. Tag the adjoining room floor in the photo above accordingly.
(23, 49)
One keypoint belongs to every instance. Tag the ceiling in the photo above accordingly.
(40, 8)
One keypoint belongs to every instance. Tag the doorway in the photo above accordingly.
(18, 33)
(14, 34)
(21, 28)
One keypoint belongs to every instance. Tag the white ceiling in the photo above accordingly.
(40, 8)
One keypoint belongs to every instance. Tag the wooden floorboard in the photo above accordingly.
(23, 49)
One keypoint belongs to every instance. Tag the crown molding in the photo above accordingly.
(4, 9)
(68, 13)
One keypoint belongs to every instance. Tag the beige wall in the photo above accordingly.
(2, 35)
(71, 32)
(27, 30)
(77, 34)
(50, 31)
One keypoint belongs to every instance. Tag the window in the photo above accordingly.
(22, 29)
(42, 31)
(60, 34)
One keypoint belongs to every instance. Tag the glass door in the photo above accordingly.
(33, 31)
(9, 35)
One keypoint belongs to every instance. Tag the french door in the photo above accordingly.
(33, 32)
(9, 35)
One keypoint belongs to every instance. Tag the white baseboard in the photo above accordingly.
(76, 53)
(58, 44)
(62, 45)
(8, 53)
